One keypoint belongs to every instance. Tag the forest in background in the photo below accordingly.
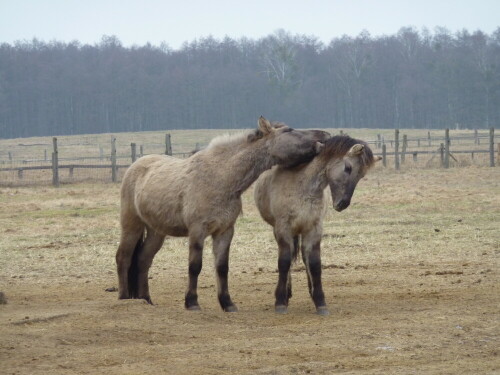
(413, 79)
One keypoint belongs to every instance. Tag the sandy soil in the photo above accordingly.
(409, 292)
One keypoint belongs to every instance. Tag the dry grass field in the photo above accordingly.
(411, 275)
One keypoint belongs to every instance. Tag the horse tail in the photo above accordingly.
(133, 271)
(296, 248)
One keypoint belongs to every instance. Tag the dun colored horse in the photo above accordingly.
(292, 201)
(196, 198)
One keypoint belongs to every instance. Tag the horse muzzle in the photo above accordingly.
(341, 205)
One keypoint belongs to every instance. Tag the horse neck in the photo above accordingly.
(313, 177)
(243, 165)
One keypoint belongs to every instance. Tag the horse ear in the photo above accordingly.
(265, 126)
(356, 150)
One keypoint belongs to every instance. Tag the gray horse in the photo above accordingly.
(292, 201)
(196, 198)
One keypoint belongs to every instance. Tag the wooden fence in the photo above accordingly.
(447, 149)
(444, 149)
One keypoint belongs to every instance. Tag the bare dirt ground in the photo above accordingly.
(411, 275)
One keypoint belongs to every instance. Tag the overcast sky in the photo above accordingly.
(174, 22)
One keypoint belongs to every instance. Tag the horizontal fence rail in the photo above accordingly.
(401, 151)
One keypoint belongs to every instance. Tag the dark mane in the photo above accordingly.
(338, 145)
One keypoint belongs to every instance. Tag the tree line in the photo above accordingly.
(412, 79)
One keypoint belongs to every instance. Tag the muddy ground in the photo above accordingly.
(411, 275)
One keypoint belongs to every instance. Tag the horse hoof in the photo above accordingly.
(323, 311)
(231, 308)
(281, 309)
(194, 308)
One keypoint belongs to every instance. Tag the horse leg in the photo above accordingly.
(152, 244)
(195, 263)
(304, 259)
(221, 244)
(294, 252)
(289, 285)
(311, 251)
(285, 245)
(130, 243)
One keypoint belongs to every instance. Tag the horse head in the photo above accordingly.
(344, 173)
(289, 147)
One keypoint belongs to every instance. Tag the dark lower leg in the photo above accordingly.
(126, 258)
(151, 246)
(223, 292)
(314, 273)
(133, 273)
(195, 264)
(304, 259)
(289, 285)
(284, 263)
(295, 252)
(221, 245)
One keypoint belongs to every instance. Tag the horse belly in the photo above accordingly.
(212, 214)
(164, 220)
(161, 211)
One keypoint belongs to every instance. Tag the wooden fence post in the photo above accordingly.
(476, 138)
(141, 151)
(168, 144)
(447, 148)
(133, 150)
(384, 155)
(10, 156)
(45, 154)
(415, 153)
(429, 138)
(441, 154)
(379, 141)
(113, 159)
(492, 147)
(403, 149)
(55, 163)
(396, 149)
(498, 154)
(101, 153)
